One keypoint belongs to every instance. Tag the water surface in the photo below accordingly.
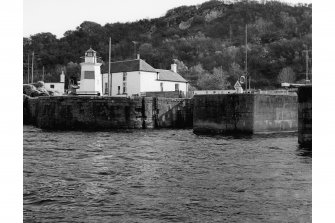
(164, 176)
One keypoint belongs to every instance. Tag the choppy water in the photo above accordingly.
(164, 176)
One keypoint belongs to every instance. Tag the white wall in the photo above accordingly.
(140, 81)
(90, 84)
(57, 87)
(149, 82)
(170, 86)
(104, 80)
(132, 83)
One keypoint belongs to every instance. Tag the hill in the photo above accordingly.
(207, 41)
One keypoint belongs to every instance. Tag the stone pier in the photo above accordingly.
(99, 113)
(305, 116)
(245, 113)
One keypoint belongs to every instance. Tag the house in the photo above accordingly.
(56, 86)
(136, 77)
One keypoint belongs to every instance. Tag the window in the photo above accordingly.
(162, 86)
(118, 89)
(88, 74)
(124, 88)
(124, 76)
(52, 86)
(176, 87)
(89, 54)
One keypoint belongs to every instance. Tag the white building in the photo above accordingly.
(90, 79)
(56, 86)
(135, 77)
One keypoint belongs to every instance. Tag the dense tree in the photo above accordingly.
(286, 75)
(215, 81)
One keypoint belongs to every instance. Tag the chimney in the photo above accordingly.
(62, 77)
(138, 56)
(174, 67)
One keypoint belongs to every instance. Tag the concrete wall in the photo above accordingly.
(244, 113)
(87, 113)
(305, 116)
(225, 114)
(173, 112)
(273, 113)
(165, 94)
(214, 92)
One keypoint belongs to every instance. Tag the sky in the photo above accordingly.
(58, 16)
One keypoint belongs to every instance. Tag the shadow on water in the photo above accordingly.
(304, 151)
(248, 136)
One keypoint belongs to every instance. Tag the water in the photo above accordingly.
(164, 176)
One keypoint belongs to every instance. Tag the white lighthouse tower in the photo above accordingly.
(90, 79)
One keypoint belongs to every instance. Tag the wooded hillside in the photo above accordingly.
(207, 41)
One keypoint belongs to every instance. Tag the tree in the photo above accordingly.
(195, 73)
(286, 75)
(235, 71)
(73, 71)
(215, 81)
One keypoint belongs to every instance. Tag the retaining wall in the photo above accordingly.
(165, 94)
(228, 113)
(305, 116)
(85, 113)
(275, 113)
(173, 112)
(244, 113)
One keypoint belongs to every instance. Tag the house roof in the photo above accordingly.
(131, 65)
(169, 75)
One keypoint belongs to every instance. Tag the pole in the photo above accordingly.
(28, 68)
(307, 59)
(32, 68)
(246, 56)
(109, 67)
(43, 73)
(306, 65)
(249, 81)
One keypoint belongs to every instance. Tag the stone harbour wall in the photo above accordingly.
(305, 116)
(208, 114)
(89, 113)
(85, 113)
(165, 94)
(173, 112)
(244, 113)
(223, 113)
(275, 113)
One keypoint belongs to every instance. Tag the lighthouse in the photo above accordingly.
(90, 78)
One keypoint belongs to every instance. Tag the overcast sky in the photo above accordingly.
(58, 16)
